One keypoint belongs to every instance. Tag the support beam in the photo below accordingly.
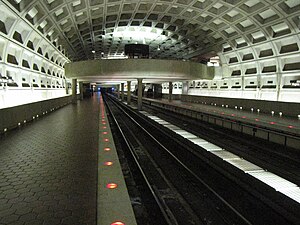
(118, 91)
(170, 91)
(278, 89)
(74, 91)
(81, 90)
(140, 93)
(67, 87)
(122, 91)
(185, 87)
(128, 92)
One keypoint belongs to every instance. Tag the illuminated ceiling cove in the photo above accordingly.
(174, 29)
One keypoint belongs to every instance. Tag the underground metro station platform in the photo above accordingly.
(149, 112)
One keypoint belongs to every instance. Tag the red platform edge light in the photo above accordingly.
(104, 132)
(290, 126)
(118, 223)
(272, 123)
(111, 185)
(108, 163)
(104, 127)
(106, 140)
(107, 149)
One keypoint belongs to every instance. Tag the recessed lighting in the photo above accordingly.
(118, 223)
(93, 51)
(109, 163)
(111, 185)
(106, 149)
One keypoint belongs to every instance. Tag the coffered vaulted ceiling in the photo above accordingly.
(181, 29)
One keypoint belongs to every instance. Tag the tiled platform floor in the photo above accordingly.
(48, 169)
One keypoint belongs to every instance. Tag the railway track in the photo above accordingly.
(188, 187)
(273, 157)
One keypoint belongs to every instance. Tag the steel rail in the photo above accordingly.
(236, 212)
(169, 218)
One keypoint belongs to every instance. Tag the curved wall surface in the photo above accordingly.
(149, 69)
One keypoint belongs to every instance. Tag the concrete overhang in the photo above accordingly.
(151, 70)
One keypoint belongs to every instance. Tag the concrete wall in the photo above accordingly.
(287, 108)
(10, 117)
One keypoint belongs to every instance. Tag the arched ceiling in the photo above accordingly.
(191, 29)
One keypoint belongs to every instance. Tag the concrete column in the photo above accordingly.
(170, 91)
(81, 89)
(140, 93)
(74, 91)
(122, 91)
(128, 92)
(118, 91)
(66, 87)
(185, 87)
(92, 89)
(278, 89)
